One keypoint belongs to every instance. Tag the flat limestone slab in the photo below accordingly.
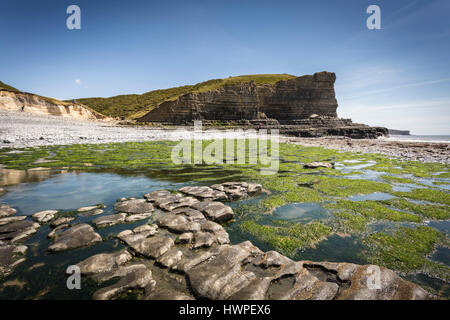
(81, 235)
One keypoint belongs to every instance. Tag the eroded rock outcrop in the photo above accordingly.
(296, 98)
(305, 106)
(27, 102)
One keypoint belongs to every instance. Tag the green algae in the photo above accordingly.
(372, 209)
(348, 187)
(407, 249)
(350, 222)
(431, 211)
(426, 195)
(287, 238)
(395, 179)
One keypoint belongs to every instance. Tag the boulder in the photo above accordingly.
(61, 221)
(109, 220)
(44, 216)
(137, 206)
(152, 247)
(104, 262)
(317, 164)
(215, 210)
(204, 193)
(78, 236)
(139, 279)
(7, 220)
(6, 211)
(177, 223)
(10, 257)
(17, 231)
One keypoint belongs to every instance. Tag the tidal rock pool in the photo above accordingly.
(367, 210)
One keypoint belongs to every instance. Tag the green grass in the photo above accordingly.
(406, 250)
(133, 106)
(8, 87)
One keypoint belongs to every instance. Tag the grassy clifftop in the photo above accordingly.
(136, 105)
(8, 87)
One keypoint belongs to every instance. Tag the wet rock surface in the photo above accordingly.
(81, 235)
(44, 216)
(10, 257)
(137, 206)
(186, 254)
(317, 164)
(6, 211)
(17, 231)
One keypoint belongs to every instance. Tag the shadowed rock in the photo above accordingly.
(138, 279)
(17, 231)
(81, 235)
(10, 257)
(166, 294)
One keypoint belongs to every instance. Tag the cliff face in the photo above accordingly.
(27, 102)
(286, 100)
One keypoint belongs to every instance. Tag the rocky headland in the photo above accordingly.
(303, 106)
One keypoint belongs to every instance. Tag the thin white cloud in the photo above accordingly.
(78, 81)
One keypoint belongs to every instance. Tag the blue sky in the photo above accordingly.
(397, 77)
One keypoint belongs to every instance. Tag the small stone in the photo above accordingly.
(109, 220)
(19, 230)
(137, 217)
(60, 221)
(317, 164)
(44, 216)
(6, 211)
(89, 208)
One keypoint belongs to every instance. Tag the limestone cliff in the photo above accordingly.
(27, 102)
(286, 100)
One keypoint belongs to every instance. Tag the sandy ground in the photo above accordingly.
(18, 130)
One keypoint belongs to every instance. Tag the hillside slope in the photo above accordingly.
(13, 99)
(133, 106)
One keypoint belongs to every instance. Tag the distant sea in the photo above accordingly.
(417, 138)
